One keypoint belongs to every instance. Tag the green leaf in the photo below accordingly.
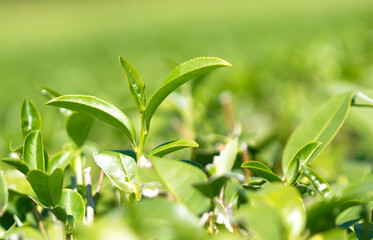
(278, 206)
(16, 149)
(59, 160)
(18, 164)
(179, 76)
(120, 169)
(212, 187)
(361, 190)
(300, 158)
(3, 194)
(261, 170)
(364, 231)
(33, 152)
(321, 186)
(320, 127)
(97, 108)
(172, 146)
(49, 93)
(135, 84)
(225, 161)
(334, 234)
(30, 117)
(73, 204)
(78, 126)
(58, 211)
(48, 187)
(179, 178)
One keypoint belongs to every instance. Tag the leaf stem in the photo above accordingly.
(90, 202)
(144, 133)
(38, 218)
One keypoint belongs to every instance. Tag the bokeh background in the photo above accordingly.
(288, 58)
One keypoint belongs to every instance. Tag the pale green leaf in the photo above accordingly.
(3, 194)
(181, 74)
(120, 169)
(179, 178)
(321, 126)
(97, 108)
(225, 161)
(73, 204)
(135, 84)
(172, 146)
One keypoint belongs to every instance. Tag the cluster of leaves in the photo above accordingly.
(224, 196)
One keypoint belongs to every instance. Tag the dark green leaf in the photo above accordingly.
(321, 127)
(172, 146)
(261, 170)
(59, 212)
(33, 153)
(212, 187)
(120, 169)
(300, 158)
(364, 231)
(73, 204)
(179, 178)
(3, 194)
(30, 117)
(18, 164)
(78, 126)
(59, 160)
(135, 84)
(321, 186)
(99, 109)
(48, 187)
(179, 76)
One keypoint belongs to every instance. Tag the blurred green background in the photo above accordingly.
(288, 58)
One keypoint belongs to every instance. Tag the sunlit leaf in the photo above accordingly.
(33, 152)
(135, 84)
(18, 164)
(97, 108)
(48, 187)
(120, 169)
(73, 204)
(179, 178)
(321, 186)
(78, 126)
(261, 170)
(321, 126)
(30, 117)
(300, 158)
(225, 161)
(3, 194)
(172, 146)
(334, 234)
(179, 76)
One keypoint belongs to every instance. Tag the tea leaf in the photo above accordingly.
(179, 178)
(3, 194)
(172, 146)
(135, 84)
(33, 152)
(72, 202)
(97, 108)
(120, 169)
(78, 126)
(181, 74)
(59, 160)
(30, 117)
(225, 161)
(321, 127)
(18, 164)
(321, 186)
(48, 187)
(261, 170)
(300, 158)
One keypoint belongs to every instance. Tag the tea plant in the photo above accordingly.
(228, 196)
